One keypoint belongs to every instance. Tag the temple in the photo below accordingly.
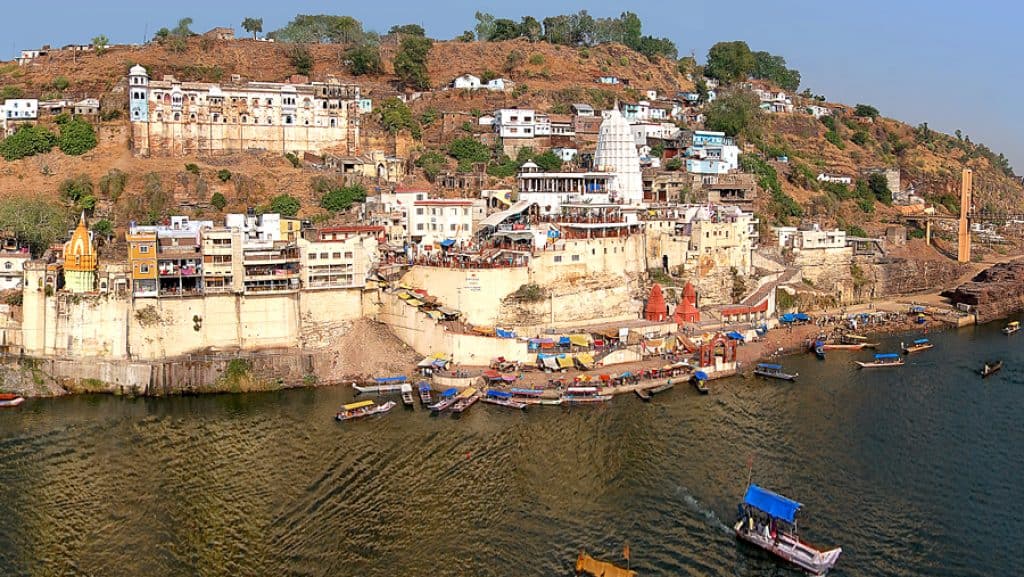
(80, 260)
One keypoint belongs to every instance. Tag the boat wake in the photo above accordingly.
(708, 514)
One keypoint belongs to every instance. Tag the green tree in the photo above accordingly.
(162, 35)
(100, 44)
(865, 111)
(224, 175)
(60, 83)
(548, 161)
(513, 60)
(11, 91)
(408, 30)
(74, 189)
(654, 48)
(363, 59)
(322, 29)
(340, 199)
(113, 183)
(467, 151)
(558, 30)
(484, 25)
(879, 187)
(301, 58)
(431, 162)
(33, 220)
(687, 65)
(183, 29)
(466, 36)
(773, 69)
(27, 141)
(531, 28)
(394, 116)
(411, 62)
(253, 26)
(218, 201)
(735, 113)
(674, 163)
(504, 29)
(103, 228)
(730, 61)
(285, 205)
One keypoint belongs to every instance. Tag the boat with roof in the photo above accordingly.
(503, 399)
(700, 380)
(10, 400)
(533, 397)
(466, 399)
(407, 397)
(1011, 328)
(850, 343)
(990, 368)
(582, 395)
(768, 520)
(382, 385)
(918, 346)
(882, 360)
(447, 399)
(426, 393)
(770, 371)
(362, 409)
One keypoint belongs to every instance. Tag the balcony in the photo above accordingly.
(171, 250)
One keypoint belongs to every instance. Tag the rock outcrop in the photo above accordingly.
(994, 293)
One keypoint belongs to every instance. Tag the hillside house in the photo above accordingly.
(28, 56)
(736, 188)
(21, 109)
(516, 123)
(87, 107)
(500, 85)
(834, 178)
(565, 154)
(466, 82)
(612, 80)
(582, 109)
(818, 111)
(220, 33)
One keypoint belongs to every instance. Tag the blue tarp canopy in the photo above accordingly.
(887, 356)
(503, 334)
(787, 318)
(440, 363)
(769, 367)
(771, 503)
(564, 341)
(383, 380)
(450, 393)
(626, 375)
(527, 392)
(448, 242)
(499, 394)
(802, 317)
(424, 386)
(700, 376)
(734, 335)
(920, 341)
(819, 343)
(917, 309)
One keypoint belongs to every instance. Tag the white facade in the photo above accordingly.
(432, 221)
(262, 227)
(12, 268)
(809, 239)
(566, 154)
(500, 85)
(517, 123)
(21, 109)
(818, 111)
(662, 131)
(616, 152)
(835, 178)
(466, 82)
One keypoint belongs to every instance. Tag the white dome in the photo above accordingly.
(138, 70)
(616, 152)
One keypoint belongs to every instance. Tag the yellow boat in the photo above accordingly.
(1011, 328)
(362, 409)
(590, 566)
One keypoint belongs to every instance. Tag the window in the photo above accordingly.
(419, 211)
(144, 269)
(452, 228)
(8, 265)
(575, 258)
(558, 258)
(336, 255)
(323, 255)
(144, 249)
(419, 226)
(348, 254)
(312, 256)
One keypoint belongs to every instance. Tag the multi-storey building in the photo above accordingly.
(339, 257)
(438, 220)
(13, 257)
(172, 117)
(175, 249)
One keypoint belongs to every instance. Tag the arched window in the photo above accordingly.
(245, 119)
(177, 116)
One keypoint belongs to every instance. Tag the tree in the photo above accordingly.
(773, 69)
(60, 83)
(466, 36)
(103, 228)
(100, 44)
(729, 61)
(557, 30)
(687, 65)
(394, 116)
(339, 199)
(653, 48)
(321, 28)
(411, 62)
(467, 151)
(162, 35)
(503, 29)
(674, 163)
(513, 60)
(408, 30)
(74, 189)
(300, 58)
(878, 184)
(484, 25)
(34, 221)
(224, 175)
(548, 161)
(253, 25)
(112, 183)
(76, 137)
(10, 91)
(531, 28)
(218, 201)
(734, 113)
(285, 205)
(364, 59)
(431, 162)
(183, 30)
(27, 141)
(865, 111)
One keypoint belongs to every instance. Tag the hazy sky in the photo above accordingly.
(951, 65)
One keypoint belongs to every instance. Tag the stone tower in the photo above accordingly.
(80, 261)
(616, 152)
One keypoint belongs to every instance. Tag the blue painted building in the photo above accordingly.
(138, 94)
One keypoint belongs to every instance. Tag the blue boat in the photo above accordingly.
(768, 520)
(382, 385)
(426, 393)
(503, 399)
(819, 349)
(771, 371)
(699, 381)
(918, 346)
(882, 360)
(448, 399)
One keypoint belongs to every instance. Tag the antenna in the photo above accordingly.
(145, 33)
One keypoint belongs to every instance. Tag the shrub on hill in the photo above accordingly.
(76, 137)
(339, 199)
(27, 141)
(285, 205)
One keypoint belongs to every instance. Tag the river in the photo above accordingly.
(913, 471)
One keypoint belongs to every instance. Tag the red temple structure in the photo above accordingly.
(656, 309)
(686, 311)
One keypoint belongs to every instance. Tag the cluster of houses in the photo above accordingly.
(15, 112)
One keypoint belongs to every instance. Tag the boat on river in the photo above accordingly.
(918, 346)
(10, 400)
(382, 385)
(426, 393)
(699, 380)
(407, 397)
(991, 368)
(662, 388)
(587, 565)
(1011, 328)
(533, 397)
(644, 394)
(580, 395)
(768, 520)
(819, 349)
(503, 399)
(362, 409)
(850, 343)
(771, 371)
(882, 360)
(466, 399)
(447, 399)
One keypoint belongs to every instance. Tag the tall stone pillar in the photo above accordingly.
(963, 247)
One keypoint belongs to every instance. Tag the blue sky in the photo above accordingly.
(953, 66)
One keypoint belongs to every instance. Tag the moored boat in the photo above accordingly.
(579, 395)
(918, 346)
(882, 360)
(990, 368)
(407, 398)
(503, 399)
(644, 394)
(447, 399)
(382, 385)
(819, 349)
(850, 343)
(426, 393)
(771, 371)
(362, 409)
(768, 520)
(1011, 328)
(466, 399)
(10, 400)
(662, 387)
(587, 565)
(699, 380)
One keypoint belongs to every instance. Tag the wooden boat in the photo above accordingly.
(850, 343)
(918, 346)
(382, 385)
(662, 388)
(771, 371)
(363, 409)
(991, 368)
(882, 360)
(768, 520)
(1011, 328)
(503, 399)
(10, 400)
(699, 380)
(587, 565)
(407, 398)
(819, 349)
(580, 395)
(644, 394)
(426, 393)
(447, 399)
(466, 399)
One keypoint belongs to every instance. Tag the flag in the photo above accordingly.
(625, 551)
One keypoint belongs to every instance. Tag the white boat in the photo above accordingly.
(882, 360)
(466, 399)
(11, 400)
(503, 399)
(382, 385)
(407, 397)
(447, 400)
(363, 409)
(581, 395)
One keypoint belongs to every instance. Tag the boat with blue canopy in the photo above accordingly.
(426, 393)
(768, 520)
(382, 385)
(503, 399)
(447, 399)
(362, 409)
(699, 381)
(918, 346)
(882, 360)
(771, 371)
(819, 349)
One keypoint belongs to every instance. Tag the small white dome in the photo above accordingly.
(138, 70)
